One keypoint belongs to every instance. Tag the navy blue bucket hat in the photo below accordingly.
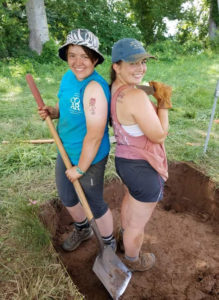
(129, 50)
(81, 37)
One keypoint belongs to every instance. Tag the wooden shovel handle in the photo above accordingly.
(34, 90)
(58, 142)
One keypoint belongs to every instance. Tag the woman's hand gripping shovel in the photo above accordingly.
(114, 275)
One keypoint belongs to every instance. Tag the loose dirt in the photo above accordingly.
(182, 233)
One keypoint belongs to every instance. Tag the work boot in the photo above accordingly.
(119, 239)
(112, 244)
(144, 263)
(76, 238)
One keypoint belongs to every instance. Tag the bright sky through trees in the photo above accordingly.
(172, 24)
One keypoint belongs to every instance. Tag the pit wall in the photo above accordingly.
(189, 189)
(186, 190)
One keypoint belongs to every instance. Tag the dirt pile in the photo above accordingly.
(182, 233)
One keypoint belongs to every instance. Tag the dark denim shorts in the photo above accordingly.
(91, 183)
(143, 181)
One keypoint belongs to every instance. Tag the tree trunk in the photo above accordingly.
(212, 29)
(37, 23)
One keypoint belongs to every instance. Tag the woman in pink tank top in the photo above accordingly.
(140, 129)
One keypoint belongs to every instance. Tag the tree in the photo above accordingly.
(194, 25)
(149, 15)
(13, 28)
(21, 20)
(108, 19)
(37, 23)
(213, 18)
(200, 22)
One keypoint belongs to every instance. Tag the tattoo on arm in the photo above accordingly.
(92, 105)
(120, 98)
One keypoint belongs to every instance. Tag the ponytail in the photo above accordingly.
(113, 73)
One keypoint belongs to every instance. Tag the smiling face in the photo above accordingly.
(79, 62)
(130, 73)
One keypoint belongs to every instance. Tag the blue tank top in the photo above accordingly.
(72, 123)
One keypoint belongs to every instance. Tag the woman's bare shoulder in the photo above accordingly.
(93, 85)
(137, 95)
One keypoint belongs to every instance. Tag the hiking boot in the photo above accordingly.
(112, 244)
(76, 237)
(119, 239)
(144, 263)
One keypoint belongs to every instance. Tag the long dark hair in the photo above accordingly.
(113, 73)
(112, 79)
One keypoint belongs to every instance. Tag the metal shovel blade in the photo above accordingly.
(113, 274)
(149, 90)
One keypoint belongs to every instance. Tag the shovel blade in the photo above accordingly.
(111, 271)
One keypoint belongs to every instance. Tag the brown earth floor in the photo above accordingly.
(182, 233)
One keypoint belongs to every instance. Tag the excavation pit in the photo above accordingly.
(182, 233)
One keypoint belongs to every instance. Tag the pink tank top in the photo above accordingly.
(137, 147)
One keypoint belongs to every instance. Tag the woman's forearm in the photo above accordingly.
(164, 120)
(56, 112)
(89, 151)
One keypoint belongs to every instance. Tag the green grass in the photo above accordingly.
(193, 79)
(27, 171)
(29, 266)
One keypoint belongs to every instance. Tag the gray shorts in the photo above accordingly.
(143, 181)
(92, 185)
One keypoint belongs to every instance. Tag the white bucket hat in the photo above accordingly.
(81, 37)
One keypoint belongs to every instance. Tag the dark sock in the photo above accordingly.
(82, 225)
(107, 239)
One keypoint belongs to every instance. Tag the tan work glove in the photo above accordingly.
(162, 93)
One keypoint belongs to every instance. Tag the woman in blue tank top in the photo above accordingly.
(83, 113)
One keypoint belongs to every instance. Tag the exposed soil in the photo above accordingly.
(182, 233)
